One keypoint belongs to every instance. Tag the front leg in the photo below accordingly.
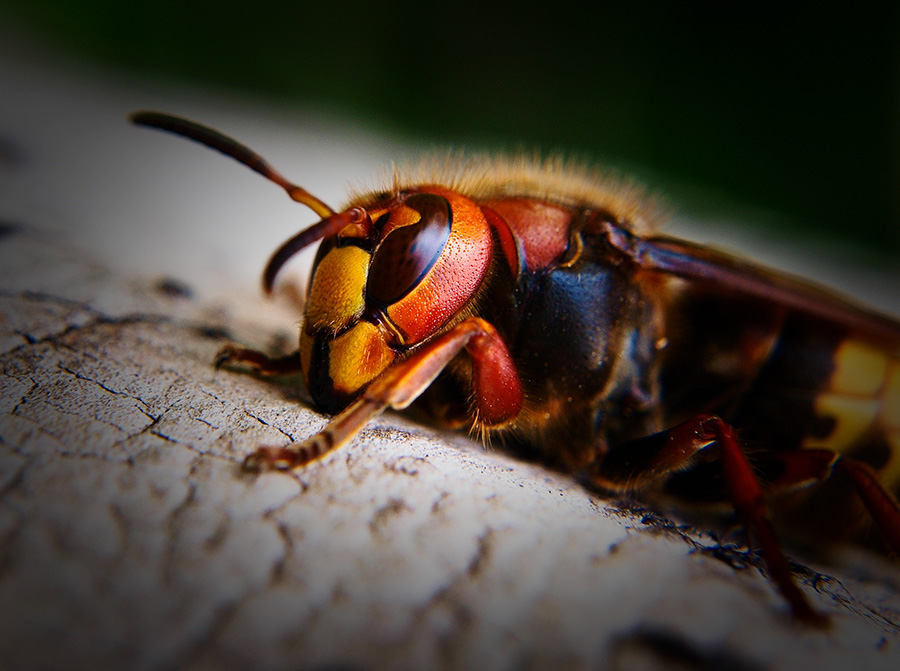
(258, 362)
(496, 390)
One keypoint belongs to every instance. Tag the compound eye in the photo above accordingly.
(408, 252)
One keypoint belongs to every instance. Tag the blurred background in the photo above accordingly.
(760, 111)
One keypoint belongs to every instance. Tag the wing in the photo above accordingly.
(726, 273)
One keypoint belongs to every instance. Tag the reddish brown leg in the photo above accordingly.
(662, 454)
(258, 362)
(878, 501)
(497, 392)
(798, 468)
(802, 467)
(750, 504)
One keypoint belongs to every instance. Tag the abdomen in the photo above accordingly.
(827, 387)
(783, 379)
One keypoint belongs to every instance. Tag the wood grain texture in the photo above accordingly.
(130, 538)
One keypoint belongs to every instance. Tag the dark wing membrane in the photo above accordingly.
(725, 272)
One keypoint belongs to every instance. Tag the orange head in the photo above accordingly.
(388, 276)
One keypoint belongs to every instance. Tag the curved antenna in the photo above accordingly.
(327, 227)
(230, 147)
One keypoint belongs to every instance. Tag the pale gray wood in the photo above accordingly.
(129, 537)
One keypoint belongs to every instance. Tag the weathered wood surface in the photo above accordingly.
(130, 538)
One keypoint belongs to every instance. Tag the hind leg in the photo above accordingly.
(651, 459)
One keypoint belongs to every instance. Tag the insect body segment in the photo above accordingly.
(531, 303)
(862, 396)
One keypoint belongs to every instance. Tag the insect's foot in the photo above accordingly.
(271, 458)
(258, 362)
(288, 457)
(226, 356)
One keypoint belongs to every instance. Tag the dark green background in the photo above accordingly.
(771, 108)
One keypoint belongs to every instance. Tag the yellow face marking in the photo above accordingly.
(337, 294)
(358, 357)
(860, 369)
(405, 215)
(402, 215)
